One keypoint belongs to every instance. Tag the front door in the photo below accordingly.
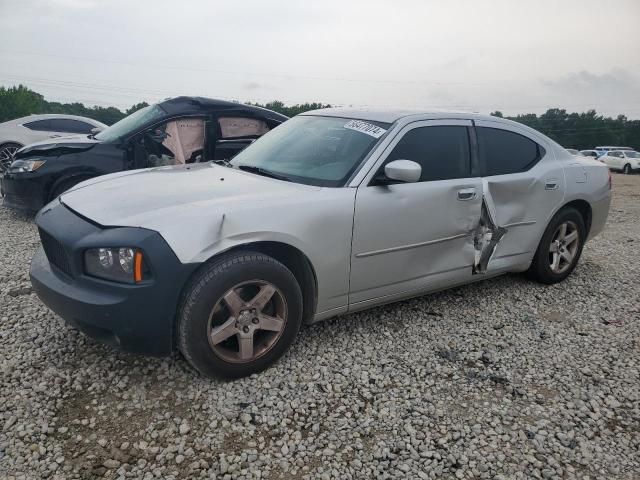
(412, 237)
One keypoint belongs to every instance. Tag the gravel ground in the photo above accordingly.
(500, 379)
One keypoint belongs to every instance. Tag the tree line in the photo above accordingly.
(571, 130)
(582, 130)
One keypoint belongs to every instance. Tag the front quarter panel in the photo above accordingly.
(318, 222)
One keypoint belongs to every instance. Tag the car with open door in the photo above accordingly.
(334, 211)
(182, 130)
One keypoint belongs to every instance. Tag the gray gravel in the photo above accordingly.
(501, 379)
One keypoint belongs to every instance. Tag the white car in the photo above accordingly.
(626, 161)
(595, 154)
(14, 134)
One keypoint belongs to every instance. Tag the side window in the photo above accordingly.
(39, 125)
(68, 125)
(239, 127)
(502, 151)
(441, 151)
(177, 141)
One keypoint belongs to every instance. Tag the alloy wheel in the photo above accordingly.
(247, 321)
(564, 246)
(6, 156)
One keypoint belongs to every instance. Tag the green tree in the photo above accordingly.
(16, 102)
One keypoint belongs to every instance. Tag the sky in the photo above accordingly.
(516, 56)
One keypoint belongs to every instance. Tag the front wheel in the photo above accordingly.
(627, 169)
(560, 247)
(7, 151)
(239, 315)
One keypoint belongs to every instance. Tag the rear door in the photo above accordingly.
(523, 184)
(413, 237)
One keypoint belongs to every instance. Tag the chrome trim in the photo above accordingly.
(519, 224)
(413, 245)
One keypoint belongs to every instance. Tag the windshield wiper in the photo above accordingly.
(264, 172)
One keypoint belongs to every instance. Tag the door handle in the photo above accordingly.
(466, 194)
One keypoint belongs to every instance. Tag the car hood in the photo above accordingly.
(57, 146)
(153, 198)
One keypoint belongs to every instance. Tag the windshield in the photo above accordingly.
(632, 154)
(131, 123)
(322, 151)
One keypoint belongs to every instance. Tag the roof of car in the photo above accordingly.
(186, 104)
(393, 115)
(44, 116)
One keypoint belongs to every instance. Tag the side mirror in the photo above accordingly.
(95, 130)
(405, 171)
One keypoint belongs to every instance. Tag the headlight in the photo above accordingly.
(22, 166)
(122, 264)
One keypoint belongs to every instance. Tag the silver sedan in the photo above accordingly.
(334, 211)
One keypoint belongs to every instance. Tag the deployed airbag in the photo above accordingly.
(184, 137)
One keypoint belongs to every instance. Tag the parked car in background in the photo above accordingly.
(176, 131)
(335, 211)
(14, 134)
(607, 148)
(591, 153)
(626, 161)
(575, 153)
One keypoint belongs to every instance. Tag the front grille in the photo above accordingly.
(55, 252)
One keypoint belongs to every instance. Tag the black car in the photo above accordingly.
(176, 131)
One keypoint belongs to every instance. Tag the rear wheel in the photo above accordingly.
(627, 169)
(560, 247)
(7, 151)
(239, 315)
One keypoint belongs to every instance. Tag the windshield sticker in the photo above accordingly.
(364, 127)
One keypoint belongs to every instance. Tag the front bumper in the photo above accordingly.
(23, 191)
(135, 318)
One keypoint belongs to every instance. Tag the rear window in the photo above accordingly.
(503, 152)
(68, 125)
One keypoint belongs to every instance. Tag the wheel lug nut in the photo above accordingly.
(245, 329)
(255, 320)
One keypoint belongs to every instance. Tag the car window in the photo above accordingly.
(503, 152)
(313, 150)
(241, 127)
(442, 151)
(68, 125)
(39, 125)
(131, 124)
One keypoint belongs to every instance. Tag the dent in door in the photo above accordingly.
(486, 237)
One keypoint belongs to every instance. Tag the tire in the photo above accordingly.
(627, 169)
(7, 150)
(205, 311)
(66, 185)
(542, 267)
